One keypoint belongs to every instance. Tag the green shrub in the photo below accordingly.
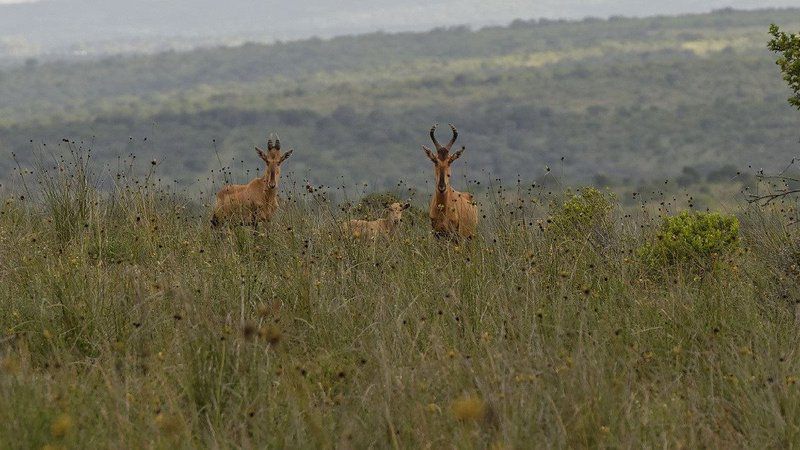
(586, 211)
(692, 236)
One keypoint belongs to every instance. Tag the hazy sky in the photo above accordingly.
(570, 7)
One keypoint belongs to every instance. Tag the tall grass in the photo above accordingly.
(126, 321)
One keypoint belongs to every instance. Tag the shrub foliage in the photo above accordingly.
(692, 236)
(587, 211)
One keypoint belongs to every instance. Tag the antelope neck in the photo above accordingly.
(441, 197)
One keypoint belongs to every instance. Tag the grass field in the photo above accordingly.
(127, 322)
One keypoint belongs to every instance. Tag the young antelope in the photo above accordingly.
(370, 229)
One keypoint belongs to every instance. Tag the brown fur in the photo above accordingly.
(257, 200)
(370, 229)
(453, 213)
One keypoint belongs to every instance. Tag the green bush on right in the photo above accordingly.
(692, 237)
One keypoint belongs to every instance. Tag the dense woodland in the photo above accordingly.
(623, 102)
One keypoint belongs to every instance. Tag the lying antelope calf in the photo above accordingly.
(370, 229)
(256, 201)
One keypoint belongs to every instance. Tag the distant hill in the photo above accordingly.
(80, 28)
(626, 100)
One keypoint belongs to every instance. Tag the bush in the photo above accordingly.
(586, 211)
(692, 236)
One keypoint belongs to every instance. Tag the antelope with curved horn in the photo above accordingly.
(452, 213)
(257, 200)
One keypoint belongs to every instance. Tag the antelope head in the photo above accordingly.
(443, 158)
(394, 212)
(274, 159)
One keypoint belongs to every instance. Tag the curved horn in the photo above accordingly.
(455, 136)
(433, 137)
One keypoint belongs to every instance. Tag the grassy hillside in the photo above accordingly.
(125, 321)
(630, 100)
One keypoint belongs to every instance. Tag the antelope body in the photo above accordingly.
(257, 200)
(371, 229)
(453, 214)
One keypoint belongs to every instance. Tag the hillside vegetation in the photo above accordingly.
(625, 100)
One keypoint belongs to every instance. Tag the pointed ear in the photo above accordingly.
(457, 154)
(261, 154)
(287, 155)
(430, 154)
(406, 206)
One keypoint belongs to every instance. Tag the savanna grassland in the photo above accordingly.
(127, 321)
(644, 315)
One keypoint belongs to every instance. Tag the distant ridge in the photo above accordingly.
(80, 28)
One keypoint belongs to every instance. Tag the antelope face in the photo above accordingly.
(442, 159)
(441, 171)
(395, 212)
(274, 159)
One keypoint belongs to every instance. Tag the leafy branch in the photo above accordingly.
(788, 47)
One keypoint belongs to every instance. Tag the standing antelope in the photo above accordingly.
(373, 228)
(257, 200)
(453, 213)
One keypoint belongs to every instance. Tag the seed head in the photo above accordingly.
(167, 423)
(469, 408)
(61, 426)
(271, 334)
(248, 331)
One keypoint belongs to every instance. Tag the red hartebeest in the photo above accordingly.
(453, 213)
(257, 200)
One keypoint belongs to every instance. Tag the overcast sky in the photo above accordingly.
(555, 8)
